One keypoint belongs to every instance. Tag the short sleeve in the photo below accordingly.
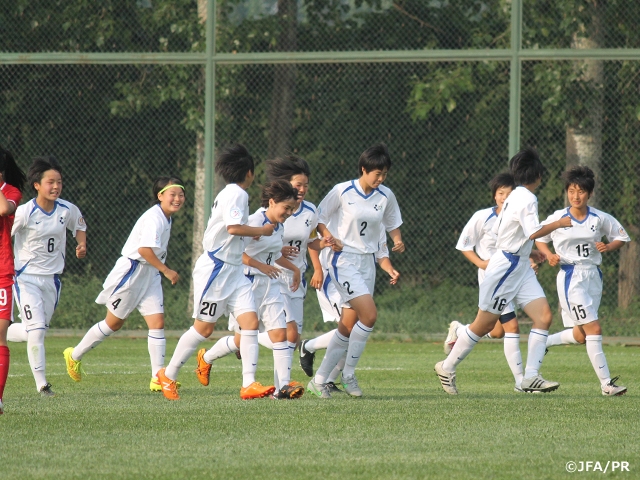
(547, 238)
(528, 218)
(235, 208)
(150, 233)
(76, 220)
(470, 234)
(392, 218)
(13, 195)
(613, 230)
(328, 206)
(20, 219)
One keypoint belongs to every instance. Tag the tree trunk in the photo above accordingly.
(629, 271)
(584, 139)
(284, 83)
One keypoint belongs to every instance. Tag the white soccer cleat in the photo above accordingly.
(318, 389)
(452, 336)
(447, 380)
(538, 384)
(1, 408)
(350, 385)
(613, 390)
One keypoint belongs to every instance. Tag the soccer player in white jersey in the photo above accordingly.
(40, 238)
(360, 209)
(510, 278)
(264, 266)
(299, 237)
(579, 253)
(135, 281)
(220, 287)
(477, 244)
(331, 305)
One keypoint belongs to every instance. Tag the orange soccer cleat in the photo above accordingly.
(256, 390)
(169, 387)
(203, 369)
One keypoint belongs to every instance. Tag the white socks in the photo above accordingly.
(513, 355)
(222, 348)
(357, 341)
(157, 345)
(320, 342)
(281, 364)
(17, 332)
(465, 343)
(598, 360)
(564, 337)
(94, 337)
(336, 349)
(187, 345)
(35, 351)
(335, 373)
(537, 346)
(249, 351)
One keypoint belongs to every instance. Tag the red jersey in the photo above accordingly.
(13, 195)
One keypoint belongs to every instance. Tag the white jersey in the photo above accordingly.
(517, 221)
(41, 237)
(299, 230)
(265, 249)
(383, 252)
(231, 207)
(477, 234)
(360, 218)
(577, 245)
(151, 230)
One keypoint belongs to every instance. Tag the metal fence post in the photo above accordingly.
(515, 77)
(209, 111)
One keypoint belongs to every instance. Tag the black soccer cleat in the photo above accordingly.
(306, 359)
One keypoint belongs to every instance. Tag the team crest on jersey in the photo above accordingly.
(235, 213)
(593, 228)
(307, 222)
(377, 208)
(62, 220)
(622, 232)
(81, 221)
(466, 241)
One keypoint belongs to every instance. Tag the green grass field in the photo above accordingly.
(111, 426)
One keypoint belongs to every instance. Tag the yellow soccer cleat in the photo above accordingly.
(74, 367)
(155, 386)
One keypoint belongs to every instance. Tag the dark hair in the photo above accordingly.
(374, 158)
(162, 182)
(285, 168)
(504, 179)
(279, 191)
(233, 163)
(11, 173)
(41, 165)
(526, 166)
(581, 176)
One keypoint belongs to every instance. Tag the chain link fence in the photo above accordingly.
(116, 127)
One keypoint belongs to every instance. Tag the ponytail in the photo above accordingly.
(11, 172)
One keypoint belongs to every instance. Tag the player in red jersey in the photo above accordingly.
(12, 180)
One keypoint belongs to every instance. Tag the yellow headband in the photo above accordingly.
(169, 186)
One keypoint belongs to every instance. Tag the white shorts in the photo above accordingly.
(220, 289)
(508, 278)
(286, 279)
(330, 300)
(509, 311)
(37, 298)
(269, 303)
(132, 285)
(353, 274)
(580, 293)
(294, 309)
